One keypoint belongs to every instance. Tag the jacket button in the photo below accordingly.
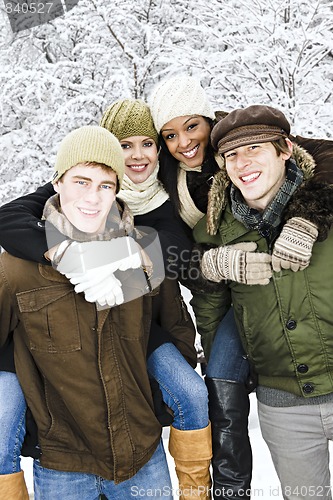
(291, 324)
(302, 368)
(308, 388)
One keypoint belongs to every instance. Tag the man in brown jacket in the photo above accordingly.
(83, 370)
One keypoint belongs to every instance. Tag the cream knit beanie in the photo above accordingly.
(128, 118)
(90, 143)
(178, 96)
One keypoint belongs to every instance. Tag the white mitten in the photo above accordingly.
(119, 253)
(106, 291)
(90, 266)
(131, 262)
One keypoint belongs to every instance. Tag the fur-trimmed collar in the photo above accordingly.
(218, 194)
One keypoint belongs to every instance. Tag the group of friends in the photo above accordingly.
(97, 347)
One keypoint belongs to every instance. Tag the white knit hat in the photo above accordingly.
(178, 96)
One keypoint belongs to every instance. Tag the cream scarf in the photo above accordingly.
(144, 197)
(188, 211)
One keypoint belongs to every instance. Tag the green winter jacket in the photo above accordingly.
(286, 327)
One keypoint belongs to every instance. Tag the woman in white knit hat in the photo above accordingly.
(171, 344)
(184, 118)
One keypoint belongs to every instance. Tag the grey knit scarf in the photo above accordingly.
(267, 222)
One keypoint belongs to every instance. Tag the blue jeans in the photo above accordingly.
(227, 360)
(12, 423)
(152, 481)
(183, 390)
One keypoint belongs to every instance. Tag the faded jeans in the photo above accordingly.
(152, 481)
(183, 389)
(12, 422)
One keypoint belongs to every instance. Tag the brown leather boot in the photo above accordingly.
(192, 452)
(13, 487)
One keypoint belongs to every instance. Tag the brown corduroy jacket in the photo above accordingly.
(83, 371)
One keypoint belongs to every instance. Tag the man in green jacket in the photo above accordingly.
(286, 322)
(83, 369)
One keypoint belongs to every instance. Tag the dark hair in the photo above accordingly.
(168, 172)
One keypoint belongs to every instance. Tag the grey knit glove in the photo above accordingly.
(237, 263)
(293, 248)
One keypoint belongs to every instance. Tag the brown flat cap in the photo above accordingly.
(249, 125)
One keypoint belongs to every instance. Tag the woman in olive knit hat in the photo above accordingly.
(183, 389)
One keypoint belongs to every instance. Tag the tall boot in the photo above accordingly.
(13, 487)
(232, 455)
(192, 452)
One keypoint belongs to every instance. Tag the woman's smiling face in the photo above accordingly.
(140, 154)
(187, 138)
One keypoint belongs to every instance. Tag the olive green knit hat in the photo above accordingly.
(90, 143)
(128, 118)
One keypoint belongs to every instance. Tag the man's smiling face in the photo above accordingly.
(257, 171)
(86, 196)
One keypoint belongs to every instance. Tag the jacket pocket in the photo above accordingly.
(50, 318)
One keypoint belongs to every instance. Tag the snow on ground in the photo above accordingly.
(265, 484)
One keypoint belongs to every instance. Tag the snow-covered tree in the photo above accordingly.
(279, 53)
(63, 74)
